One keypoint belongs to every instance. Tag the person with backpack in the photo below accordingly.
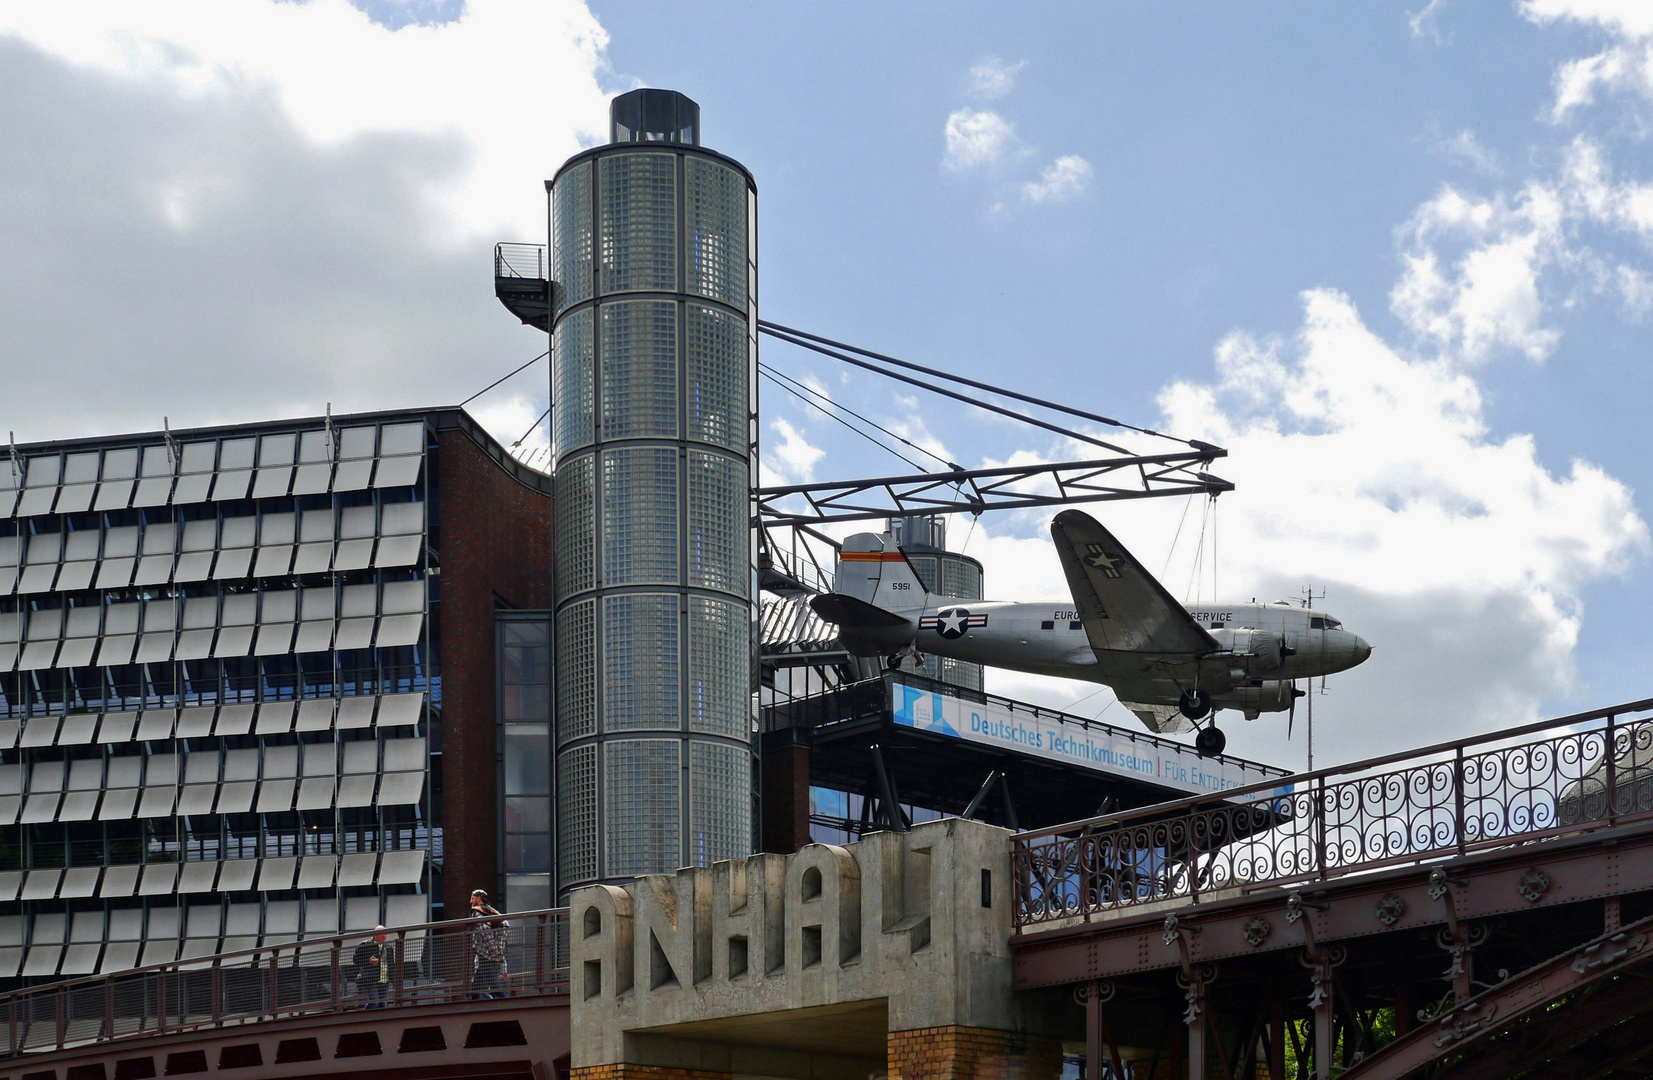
(488, 940)
(373, 960)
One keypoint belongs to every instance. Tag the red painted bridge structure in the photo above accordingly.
(306, 1009)
(1474, 909)
(1478, 908)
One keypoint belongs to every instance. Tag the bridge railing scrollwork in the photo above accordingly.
(414, 965)
(1515, 786)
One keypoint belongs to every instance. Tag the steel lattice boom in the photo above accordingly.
(1011, 487)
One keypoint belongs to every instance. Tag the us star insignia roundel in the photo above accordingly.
(1099, 559)
(951, 623)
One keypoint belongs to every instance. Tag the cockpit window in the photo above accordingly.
(1333, 624)
(1317, 623)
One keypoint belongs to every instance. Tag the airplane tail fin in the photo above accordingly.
(872, 568)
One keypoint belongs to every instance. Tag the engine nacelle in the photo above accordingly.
(1261, 652)
(1274, 695)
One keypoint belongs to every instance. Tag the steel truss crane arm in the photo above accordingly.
(1135, 476)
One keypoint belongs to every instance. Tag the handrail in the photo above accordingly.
(429, 963)
(1446, 798)
(525, 261)
(1350, 768)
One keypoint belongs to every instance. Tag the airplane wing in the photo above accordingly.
(1123, 607)
(1160, 719)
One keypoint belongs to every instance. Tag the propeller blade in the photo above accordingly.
(1291, 710)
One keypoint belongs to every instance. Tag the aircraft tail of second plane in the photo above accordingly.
(872, 568)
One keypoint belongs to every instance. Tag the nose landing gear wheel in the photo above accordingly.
(1210, 742)
(1195, 704)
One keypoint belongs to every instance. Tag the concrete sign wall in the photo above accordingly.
(799, 966)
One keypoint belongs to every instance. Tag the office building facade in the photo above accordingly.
(251, 688)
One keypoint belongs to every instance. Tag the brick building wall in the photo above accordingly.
(785, 793)
(954, 1052)
(495, 547)
(625, 1071)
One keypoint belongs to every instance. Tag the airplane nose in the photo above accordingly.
(1362, 648)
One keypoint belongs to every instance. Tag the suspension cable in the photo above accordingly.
(812, 392)
(502, 378)
(777, 330)
(834, 416)
(977, 402)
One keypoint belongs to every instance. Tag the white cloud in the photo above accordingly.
(291, 205)
(1061, 180)
(1592, 192)
(992, 78)
(337, 75)
(1426, 23)
(1630, 18)
(1636, 288)
(1625, 65)
(976, 139)
(1373, 475)
(1467, 150)
(1489, 297)
(1474, 267)
(792, 460)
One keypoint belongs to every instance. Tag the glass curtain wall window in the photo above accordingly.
(524, 650)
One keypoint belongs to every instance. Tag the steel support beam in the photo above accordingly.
(1015, 487)
(1467, 1026)
(891, 808)
(985, 790)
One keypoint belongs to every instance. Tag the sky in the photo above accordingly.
(1393, 257)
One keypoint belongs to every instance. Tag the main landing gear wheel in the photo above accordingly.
(893, 663)
(1195, 704)
(1210, 741)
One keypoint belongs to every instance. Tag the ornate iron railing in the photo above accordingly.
(1514, 786)
(428, 964)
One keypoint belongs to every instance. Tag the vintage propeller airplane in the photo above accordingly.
(1173, 666)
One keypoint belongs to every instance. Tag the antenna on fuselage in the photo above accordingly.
(1309, 597)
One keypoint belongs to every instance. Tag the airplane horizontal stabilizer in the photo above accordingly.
(1160, 719)
(847, 611)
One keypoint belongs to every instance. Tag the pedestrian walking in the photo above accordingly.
(488, 940)
(373, 960)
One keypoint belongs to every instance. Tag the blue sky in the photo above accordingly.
(1239, 155)
(1395, 256)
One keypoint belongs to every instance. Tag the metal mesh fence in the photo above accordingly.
(430, 963)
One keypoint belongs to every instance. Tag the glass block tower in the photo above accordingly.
(654, 322)
(943, 573)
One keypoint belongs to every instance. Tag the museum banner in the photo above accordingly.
(1069, 740)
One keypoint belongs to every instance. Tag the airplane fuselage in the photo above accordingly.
(1050, 639)
(1122, 629)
